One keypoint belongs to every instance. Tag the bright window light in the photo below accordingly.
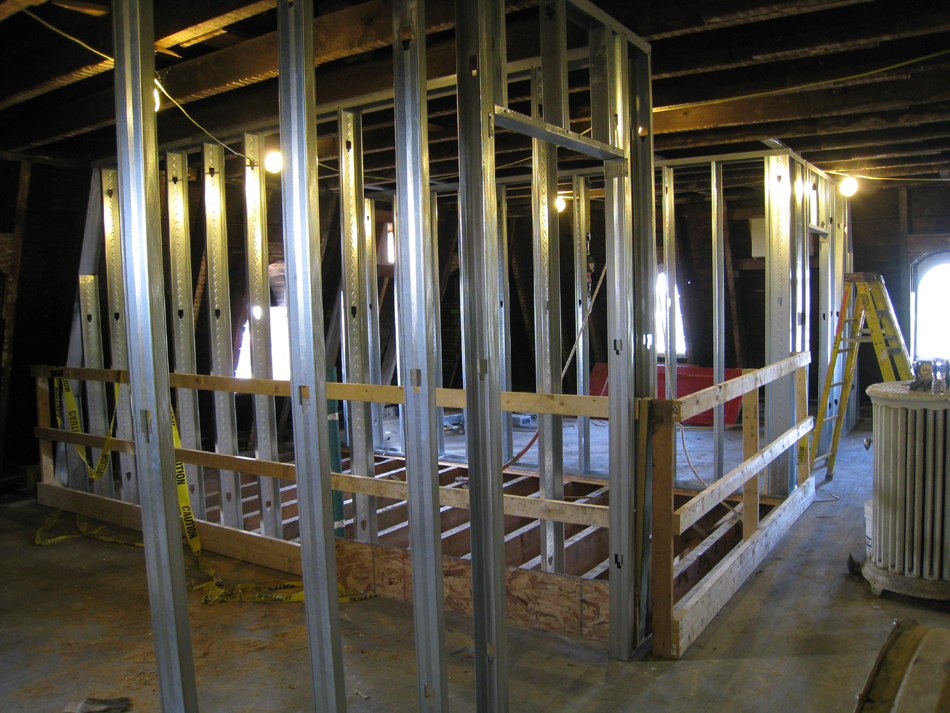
(389, 255)
(279, 347)
(662, 301)
(933, 297)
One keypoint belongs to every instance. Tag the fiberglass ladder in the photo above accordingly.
(870, 306)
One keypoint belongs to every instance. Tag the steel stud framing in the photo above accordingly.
(148, 363)
(307, 350)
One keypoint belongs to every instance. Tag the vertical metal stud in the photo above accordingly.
(610, 116)
(117, 318)
(95, 390)
(644, 265)
(547, 299)
(307, 350)
(258, 326)
(66, 459)
(719, 310)
(371, 287)
(437, 316)
(183, 318)
(504, 378)
(480, 43)
(148, 354)
(416, 292)
(355, 314)
(779, 313)
(219, 317)
(583, 275)
(669, 260)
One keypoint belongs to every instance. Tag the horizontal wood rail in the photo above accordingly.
(535, 508)
(516, 401)
(677, 624)
(700, 401)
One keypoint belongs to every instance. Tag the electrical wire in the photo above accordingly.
(580, 333)
(158, 84)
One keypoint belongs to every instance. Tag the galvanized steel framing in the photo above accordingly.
(354, 311)
(118, 325)
(143, 279)
(98, 421)
(258, 327)
(183, 318)
(307, 351)
(416, 290)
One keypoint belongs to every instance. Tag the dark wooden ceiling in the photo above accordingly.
(859, 86)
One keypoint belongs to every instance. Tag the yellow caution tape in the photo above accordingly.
(214, 589)
(43, 537)
(72, 417)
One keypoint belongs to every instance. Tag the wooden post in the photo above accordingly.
(43, 421)
(750, 446)
(801, 412)
(664, 449)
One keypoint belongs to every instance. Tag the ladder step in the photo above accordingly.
(895, 350)
(822, 458)
(856, 340)
(838, 383)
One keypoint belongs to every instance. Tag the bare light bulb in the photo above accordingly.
(849, 186)
(257, 311)
(273, 162)
(560, 204)
(158, 99)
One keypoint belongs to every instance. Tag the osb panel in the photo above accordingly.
(595, 609)
(544, 601)
(457, 585)
(393, 573)
(354, 565)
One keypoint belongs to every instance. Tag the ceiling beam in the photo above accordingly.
(8, 8)
(52, 65)
(828, 127)
(838, 31)
(337, 35)
(660, 19)
(922, 87)
(888, 151)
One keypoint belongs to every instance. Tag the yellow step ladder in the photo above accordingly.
(866, 315)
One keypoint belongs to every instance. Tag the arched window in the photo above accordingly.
(931, 306)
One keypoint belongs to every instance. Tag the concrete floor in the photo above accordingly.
(801, 635)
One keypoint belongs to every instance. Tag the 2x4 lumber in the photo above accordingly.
(730, 520)
(520, 402)
(750, 446)
(536, 508)
(664, 476)
(694, 612)
(12, 7)
(704, 400)
(710, 497)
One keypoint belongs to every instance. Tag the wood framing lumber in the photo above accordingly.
(664, 476)
(750, 446)
(521, 402)
(694, 612)
(701, 401)
(535, 508)
(709, 498)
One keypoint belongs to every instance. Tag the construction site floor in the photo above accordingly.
(800, 635)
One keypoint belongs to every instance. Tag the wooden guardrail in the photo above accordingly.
(676, 624)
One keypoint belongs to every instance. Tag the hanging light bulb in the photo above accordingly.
(273, 162)
(560, 204)
(849, 186)
(158, 99)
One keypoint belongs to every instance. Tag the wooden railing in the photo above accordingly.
(676, 624)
